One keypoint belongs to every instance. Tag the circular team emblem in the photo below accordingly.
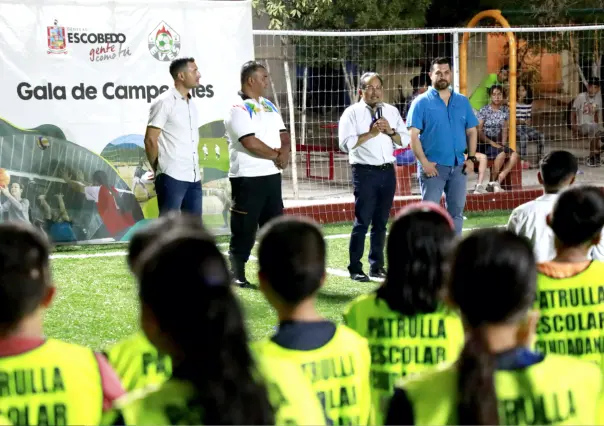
(164, 42)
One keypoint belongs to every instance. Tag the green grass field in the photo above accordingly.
(96, 299)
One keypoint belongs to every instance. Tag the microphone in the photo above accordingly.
(378, 113)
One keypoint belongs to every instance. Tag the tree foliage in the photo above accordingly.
(347, 15)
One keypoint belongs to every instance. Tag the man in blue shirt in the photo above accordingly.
(443, 127)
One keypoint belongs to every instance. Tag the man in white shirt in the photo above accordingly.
(172, 140)
(259, 149)
(585, 119)
(368, 131)
(558, 172)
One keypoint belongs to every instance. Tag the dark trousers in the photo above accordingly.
(174, 194)
(256, 200)
(374, 188)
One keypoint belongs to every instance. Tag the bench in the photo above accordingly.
(406, 172)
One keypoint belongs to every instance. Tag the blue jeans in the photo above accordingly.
(452, 181)
(374, 190)
(173, 194)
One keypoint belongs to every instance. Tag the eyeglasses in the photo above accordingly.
(373, 88)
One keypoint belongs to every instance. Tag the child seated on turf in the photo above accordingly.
(197, 320)
(335, 358)
(44, 381)
(425, 332)
(136, 361)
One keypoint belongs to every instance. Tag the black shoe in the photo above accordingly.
(360, 277)
(240, 282)
(378, 273)
(238, 274)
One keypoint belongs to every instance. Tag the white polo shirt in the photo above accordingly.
(250, 117)
(178, 150)
(356, 120)
(529, 220)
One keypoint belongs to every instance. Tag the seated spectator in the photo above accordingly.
(480, 168)
(558, 172)
(481, 96)
(420, 84)
(16, 206)
(585, 119)
(525, 133)
(493, 131)
(44, 380)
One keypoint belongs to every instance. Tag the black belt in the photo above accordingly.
(384, 166)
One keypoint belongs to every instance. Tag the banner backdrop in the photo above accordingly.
(77, 81)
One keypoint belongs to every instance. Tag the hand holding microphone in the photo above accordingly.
(380, 122)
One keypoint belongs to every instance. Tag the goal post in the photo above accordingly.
(553, 66)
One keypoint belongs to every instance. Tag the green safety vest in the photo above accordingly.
(55, 383)
(138, 363)
(173, 402)
(558, 390)
(401, 346)
(338, 372)
(571, 320)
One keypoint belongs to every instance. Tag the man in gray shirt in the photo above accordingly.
(17, 208)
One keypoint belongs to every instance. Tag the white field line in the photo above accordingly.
(123, 253)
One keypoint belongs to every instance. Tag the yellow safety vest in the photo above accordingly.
(172, 402)
(56, 383)
(138, 363)
(558, 390)
(338, 372)
(571, 310)
(401, 346)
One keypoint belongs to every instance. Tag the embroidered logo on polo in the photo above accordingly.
(252, 107)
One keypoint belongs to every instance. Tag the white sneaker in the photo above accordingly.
(480, 189)
(496, 186)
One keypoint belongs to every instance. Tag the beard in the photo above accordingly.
(441, 84)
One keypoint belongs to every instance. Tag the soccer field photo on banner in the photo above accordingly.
(214, 158)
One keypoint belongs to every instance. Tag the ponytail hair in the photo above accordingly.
(509, 263)
(477, 397)
(200, 316)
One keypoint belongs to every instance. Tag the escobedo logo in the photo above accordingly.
(56, 38)
(164, 42)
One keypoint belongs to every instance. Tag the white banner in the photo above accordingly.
(77, 81)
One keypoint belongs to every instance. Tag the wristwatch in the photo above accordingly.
(391, 134)
(473, 159)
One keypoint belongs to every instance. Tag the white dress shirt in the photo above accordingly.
(178, 142)
(529, 220)
(356, 120)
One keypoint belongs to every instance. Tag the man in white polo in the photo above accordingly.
(259, 148)
(171, 142)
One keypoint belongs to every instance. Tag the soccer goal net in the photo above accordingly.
(537, 88)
